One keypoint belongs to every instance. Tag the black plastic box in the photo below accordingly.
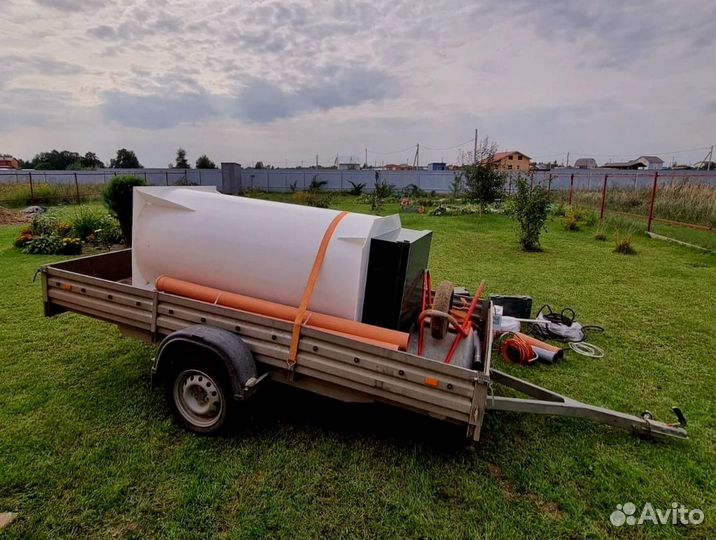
(394, 281)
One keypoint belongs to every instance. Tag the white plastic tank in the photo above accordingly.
(258, 248)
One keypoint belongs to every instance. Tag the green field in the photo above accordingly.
(87, 448)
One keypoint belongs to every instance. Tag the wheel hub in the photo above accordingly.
(198, 398)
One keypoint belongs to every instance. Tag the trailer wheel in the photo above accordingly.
(441, 302)
(199, 396)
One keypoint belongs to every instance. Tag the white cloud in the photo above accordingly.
(275, 80)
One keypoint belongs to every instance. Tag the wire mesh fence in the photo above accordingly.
(46, 188)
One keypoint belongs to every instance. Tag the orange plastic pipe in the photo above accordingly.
(366, 333)
(546, 350)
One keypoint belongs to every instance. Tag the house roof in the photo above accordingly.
(651, 159)
(585, 161)
(638, 161)
(502, 155)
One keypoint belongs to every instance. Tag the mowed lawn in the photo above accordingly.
(87, 449)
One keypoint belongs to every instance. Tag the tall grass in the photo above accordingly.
(19, 195)
(683, 201)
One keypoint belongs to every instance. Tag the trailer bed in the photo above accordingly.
(99, 286)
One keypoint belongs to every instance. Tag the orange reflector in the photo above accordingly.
(67, 287)
(429, 381)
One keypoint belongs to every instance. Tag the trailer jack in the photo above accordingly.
(547, 402)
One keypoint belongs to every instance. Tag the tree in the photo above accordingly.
(91, 161)
(181, 161)
(203, 162)
(484, 184)
(531, 206)
(126, 159)
(54, 160)
(259, 165)
(117, 196)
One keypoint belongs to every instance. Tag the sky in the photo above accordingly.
(282, 81)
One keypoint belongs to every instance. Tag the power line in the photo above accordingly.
(469, 141)
(393, 152)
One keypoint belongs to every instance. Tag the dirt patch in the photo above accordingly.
(10, 217)
(6, 518)
(510, 493)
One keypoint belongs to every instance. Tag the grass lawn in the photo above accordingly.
(88, 450)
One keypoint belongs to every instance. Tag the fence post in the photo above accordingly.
(549, 184)
(32, 191)
(145, 177)
(532, 180)
(77, 188)
(653, 199)
(166, 177)
(571, 188)
(604, 197)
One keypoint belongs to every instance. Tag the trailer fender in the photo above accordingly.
(225, 346)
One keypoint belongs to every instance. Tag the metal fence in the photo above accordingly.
(682, 198)
(674, 197)
(26, 187)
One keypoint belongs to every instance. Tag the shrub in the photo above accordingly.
(22, 240)
(43, 245)
(312, 198)
(601, 233)
(559, 209)
(356, 188)
(571, 221)
(382, 189)
(622, 243)
(109, 232)
(316, 184)
(44, 225)
(412, 190)
(86, 221)
(531, 207)
(70, 246)
(118, 198)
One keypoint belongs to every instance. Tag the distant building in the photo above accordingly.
(8, 162)
(398, 167)
(585, 163)
(642, 162)
(437, 166)
(346, 163)
(348, 166)
(511, 160)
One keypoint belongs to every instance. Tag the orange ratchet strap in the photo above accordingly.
(299, 321)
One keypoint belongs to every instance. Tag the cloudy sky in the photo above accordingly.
(284, 81)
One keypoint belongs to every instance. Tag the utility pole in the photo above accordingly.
(567, 159)
(710, 158)
(416, 160)
(366, 158)
(316, 161)
(474, 152)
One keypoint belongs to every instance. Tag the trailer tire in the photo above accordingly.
(199, 395)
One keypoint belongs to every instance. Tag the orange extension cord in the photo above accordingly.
(515, 349)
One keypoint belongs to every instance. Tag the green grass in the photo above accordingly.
(17, 195)
(88, 450)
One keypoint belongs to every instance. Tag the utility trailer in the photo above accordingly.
(211, 357)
